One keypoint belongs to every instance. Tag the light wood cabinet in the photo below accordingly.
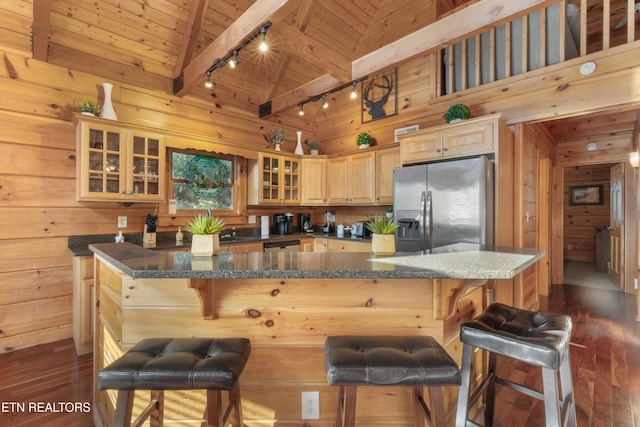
(320, 244)
(118, 162)
(240, 248)
(274, 180)
(466, 138)
(351, 180)
(83, 304)
(337, 245)
(307, 244)
(386, 161)
(314, 182)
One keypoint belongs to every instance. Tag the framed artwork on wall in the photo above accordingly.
(586, 195)
(380, 96)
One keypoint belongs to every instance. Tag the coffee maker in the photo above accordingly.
(283, 223)
(305, 223)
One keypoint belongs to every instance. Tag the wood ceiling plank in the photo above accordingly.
(249, 22)
(476, 17)
(190, 38)
(41, 28)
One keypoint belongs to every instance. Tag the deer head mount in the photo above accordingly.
(376, 93)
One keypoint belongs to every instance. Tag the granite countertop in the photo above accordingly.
(79, 245)
(462, 261)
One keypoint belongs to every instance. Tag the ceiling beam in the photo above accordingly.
(41, 28)
(469, 20)
(190, 39)
(248, 23)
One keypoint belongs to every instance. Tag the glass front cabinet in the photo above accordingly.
(274, 179)
(118, 163)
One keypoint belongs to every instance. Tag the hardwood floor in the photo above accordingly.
(605, 358)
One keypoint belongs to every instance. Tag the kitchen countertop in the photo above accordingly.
(79, 245)
(462, 261)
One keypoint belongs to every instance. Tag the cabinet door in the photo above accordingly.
(468, 138)
(386, 161)
(101, 167)
(347, 246)
(290, 179)
(420, 146)
(270, 179)
(320, 245)
(337, 181)
(361, 179)
(314, 182)
(240, 248)
(146, 165)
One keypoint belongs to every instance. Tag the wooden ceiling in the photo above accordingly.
(313, 43)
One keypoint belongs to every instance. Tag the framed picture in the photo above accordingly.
(379, 96)
(588, 195)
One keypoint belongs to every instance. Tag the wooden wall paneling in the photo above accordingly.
(15, 28)
(24, 254)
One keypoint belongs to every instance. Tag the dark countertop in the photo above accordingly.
(79, 245)
(458, 261)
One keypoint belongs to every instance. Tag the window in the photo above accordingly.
(202, 180)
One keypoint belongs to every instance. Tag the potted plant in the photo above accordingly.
(383, 239)
(205, 230)
(456, 113)
(277, 137)
(88, 107)
(314, 146)
(363, 140)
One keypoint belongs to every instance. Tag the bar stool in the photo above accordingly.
(413, 361)
(539, 339)
(159, 364)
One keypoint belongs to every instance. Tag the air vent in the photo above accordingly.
(405, 130)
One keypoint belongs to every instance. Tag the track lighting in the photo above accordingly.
(234, 61)
(354, 94)
(232, 58)
(301, 110)
(325, 104)
(323, 97)
(263, 43)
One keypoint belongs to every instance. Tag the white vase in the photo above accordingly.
(107, 108)
(278, 147)
(299, 151)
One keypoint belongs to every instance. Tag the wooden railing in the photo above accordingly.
(557, 33)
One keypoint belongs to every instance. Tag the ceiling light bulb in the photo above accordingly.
(234, 60)
(208, 84)
(263, 44)
(354, 94)
(301, 110)
(325, 104)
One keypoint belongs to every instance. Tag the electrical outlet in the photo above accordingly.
(252, 219)
(122, 222)
(310, 405)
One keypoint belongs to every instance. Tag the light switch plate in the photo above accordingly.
(122, 222)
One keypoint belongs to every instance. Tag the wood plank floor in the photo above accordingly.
(605, 357)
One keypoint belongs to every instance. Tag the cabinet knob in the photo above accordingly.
(438, 150)
(444, 149)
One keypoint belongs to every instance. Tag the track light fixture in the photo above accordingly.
(232, 58)
(323, 97)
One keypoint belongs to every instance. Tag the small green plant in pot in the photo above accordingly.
(205, 230)
(88, 107)
(383, 240)
(457, 112)
(314, 146)
(363, 140)
(277, 137)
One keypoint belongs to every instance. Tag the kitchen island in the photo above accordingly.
(287, 303)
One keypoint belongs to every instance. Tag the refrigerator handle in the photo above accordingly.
(425, 205)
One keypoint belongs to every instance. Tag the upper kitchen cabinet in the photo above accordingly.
(118, 163)
(274, 179)
(351, 179)
(386, 160)
(314, 182)
(466, 138)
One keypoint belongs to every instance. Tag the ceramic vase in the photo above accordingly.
(299, 151)
(278, 147)
(383, 244)
(205, 244)
(107, 108)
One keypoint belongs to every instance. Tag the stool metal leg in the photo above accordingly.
(465, 386)
(568, 402)
(550, 390)
(490, 396)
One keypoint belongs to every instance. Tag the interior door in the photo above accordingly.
(617, 224)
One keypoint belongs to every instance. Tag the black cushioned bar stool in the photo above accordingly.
(159, 364)
(539, 339)
(414, 361)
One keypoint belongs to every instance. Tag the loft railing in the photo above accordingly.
(554, 34)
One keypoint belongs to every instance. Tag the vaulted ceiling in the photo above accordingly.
(313, 43)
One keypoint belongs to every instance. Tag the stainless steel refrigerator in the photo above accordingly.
(439, 204)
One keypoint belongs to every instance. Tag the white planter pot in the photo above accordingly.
(363, 146)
